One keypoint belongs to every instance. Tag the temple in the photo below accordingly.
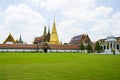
(49, 42)
(77, 40)
(10, 40)
(47, 37)
(44, 38)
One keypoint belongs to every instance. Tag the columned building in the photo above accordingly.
(109, 44)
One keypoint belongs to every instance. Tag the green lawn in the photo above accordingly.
(59, 66)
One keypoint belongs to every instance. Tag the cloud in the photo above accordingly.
(21, 19)
(62, 4)
(74, 17)
(0, 14)
(95, 20)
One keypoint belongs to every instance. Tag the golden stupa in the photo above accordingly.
(54, 36)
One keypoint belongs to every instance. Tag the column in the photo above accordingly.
(115, 45)
(109, 45)
(112, 44)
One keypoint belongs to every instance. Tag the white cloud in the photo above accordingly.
(116, 15)
(74, 17)
(80, 11)
(23, 20)
(68, 29)
(103, 11)
(4, 32)
(63, 4)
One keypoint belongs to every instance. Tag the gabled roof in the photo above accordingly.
(83, 38)
(9, 39)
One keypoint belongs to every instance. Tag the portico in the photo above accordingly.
(111, 44)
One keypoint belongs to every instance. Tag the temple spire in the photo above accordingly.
(48, 30)
(54, 36)
(20, 39)
(44, 33)
(54, 27)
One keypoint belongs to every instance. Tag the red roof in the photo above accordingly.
(17, 46)
(40, 46)
(64, 47)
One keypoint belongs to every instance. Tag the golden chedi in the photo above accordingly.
(54, 36)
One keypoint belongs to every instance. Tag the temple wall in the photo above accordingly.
(63, 50)
(36, 50)
(19, 50)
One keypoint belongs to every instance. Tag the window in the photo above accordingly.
(118, 47)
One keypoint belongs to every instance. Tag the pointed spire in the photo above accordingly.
(20, 39)
(54, 36)
(44, 33)
(54, 27)
(48, 30)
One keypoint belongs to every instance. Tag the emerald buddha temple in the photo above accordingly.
(47, 37)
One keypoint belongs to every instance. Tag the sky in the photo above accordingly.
(97, 18)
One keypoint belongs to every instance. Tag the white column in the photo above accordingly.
(115, 45)
(109, 45)
(112, 45)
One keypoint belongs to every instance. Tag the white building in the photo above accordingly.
(109, 44)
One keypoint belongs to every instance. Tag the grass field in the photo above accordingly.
(59, 66)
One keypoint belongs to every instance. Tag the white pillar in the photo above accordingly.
(109, 45)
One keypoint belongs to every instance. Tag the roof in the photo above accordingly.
(17, 46)
(108, 37)
(63, 47)
(9, 39)
(83, 38)
(40, 46)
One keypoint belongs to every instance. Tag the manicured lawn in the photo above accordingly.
(59, 66)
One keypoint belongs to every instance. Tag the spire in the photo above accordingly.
(20, 39)
(54, 27)
(48, 30)
(54, 36)
(44, 33)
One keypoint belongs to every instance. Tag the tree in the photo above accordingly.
(82, 47)
(89, 48)
(113, 51)
(98, 47)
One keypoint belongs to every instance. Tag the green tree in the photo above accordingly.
(82, 47)
(98, 47)
(89, 48)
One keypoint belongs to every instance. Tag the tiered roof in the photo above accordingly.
(83, 38)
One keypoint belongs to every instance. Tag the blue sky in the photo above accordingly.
(97, 18)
